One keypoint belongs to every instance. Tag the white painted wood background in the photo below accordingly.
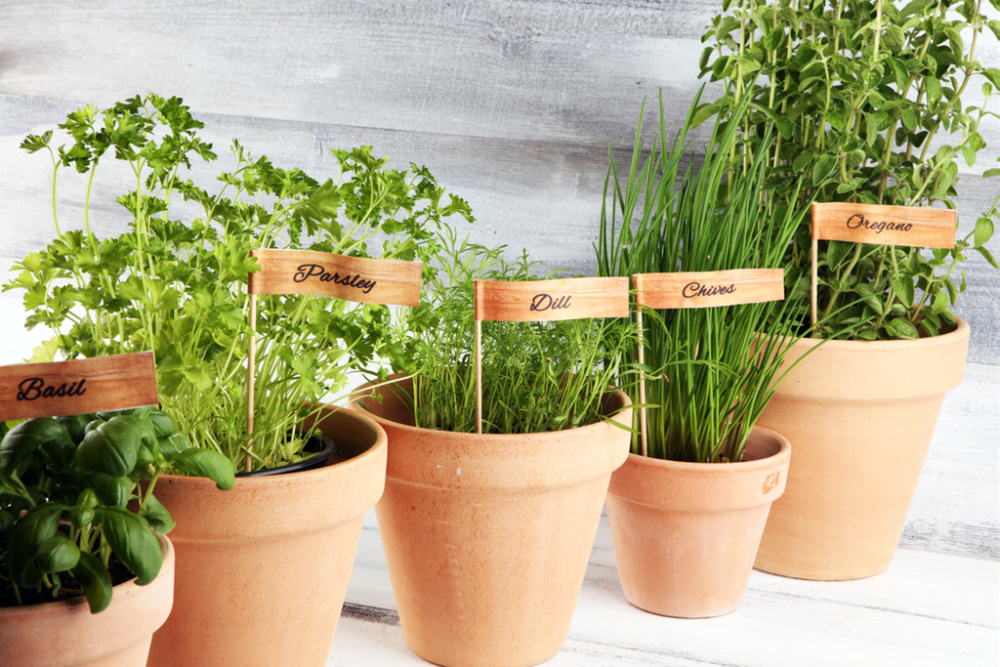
(511, 104)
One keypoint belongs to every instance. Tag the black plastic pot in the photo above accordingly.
(323, 447)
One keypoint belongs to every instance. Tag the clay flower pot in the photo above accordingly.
(860, 416)
(685, 534)
(66, 634)
(262, 570)
(487, 537)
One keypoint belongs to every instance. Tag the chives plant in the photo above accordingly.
(537, 376)
(709, 373)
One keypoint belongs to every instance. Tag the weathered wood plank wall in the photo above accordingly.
(511, 104)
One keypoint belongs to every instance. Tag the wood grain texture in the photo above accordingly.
(511, 104)
(919, 226)
(78, 386)
(708, 289)
(360, 279)
(544, 300)
(926, 610)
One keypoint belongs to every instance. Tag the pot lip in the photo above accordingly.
(316, 460)
(962, 330)
(623, 417)
(373, 452)
(778, 458)
(119, 591)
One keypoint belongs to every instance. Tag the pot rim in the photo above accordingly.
(274, 479)
(129, 587)
(961, 330)
(616, 398)
(695, 467)
(706, 487)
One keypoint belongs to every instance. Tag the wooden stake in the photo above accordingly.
(479, 375)
(251, 376)
(814, 279)
(643, 437)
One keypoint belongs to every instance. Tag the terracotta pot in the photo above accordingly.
(685, 534)
(860, 417)
(262, 570)
(65, 634)
(487, 537)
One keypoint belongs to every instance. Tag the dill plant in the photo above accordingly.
(537, 376)
(709, 374)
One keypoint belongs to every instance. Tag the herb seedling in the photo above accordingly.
(76, 490)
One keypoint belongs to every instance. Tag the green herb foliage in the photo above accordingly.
(537, 376)
(867, 98)
(709, 374)
(70, 498)
(177, 285)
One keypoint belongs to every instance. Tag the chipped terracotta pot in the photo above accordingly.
(66, 634)
(860, 416)
(262, 570)
(487, 537)
(685, 534)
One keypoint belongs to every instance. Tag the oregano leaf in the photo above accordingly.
(904, 291)
(900, 328)
(983, 231)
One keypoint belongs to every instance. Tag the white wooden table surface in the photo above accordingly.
(926, 609)
(937, 605)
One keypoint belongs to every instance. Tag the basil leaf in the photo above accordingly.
(27, 536)
(158, 516)
(95, 581)
(24, 440)
(111, 491)
(57, 554)
(132, 541)
(112, 448)
(207, 463)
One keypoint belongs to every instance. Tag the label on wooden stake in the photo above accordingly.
(78, 386)
(707, 289)
(543, 300)
(360, 279)
(918, 226)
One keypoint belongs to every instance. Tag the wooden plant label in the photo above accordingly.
(385, 281)
(706, 289)
(560, 299)
(77, 386)
(919, 226)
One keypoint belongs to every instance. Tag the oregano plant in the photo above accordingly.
(867, 96)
